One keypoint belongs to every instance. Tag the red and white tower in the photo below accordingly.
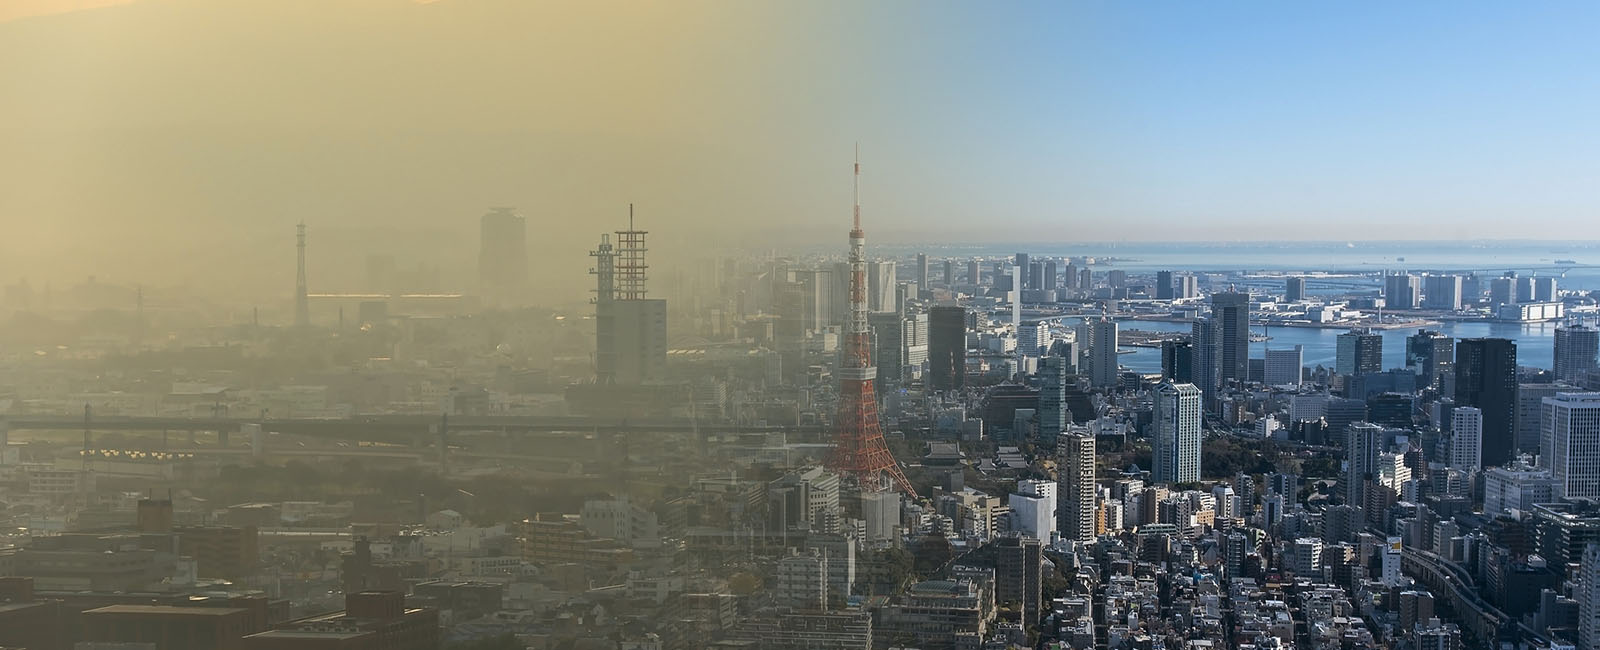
(859, 451)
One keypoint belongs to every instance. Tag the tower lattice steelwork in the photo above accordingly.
(859, 451)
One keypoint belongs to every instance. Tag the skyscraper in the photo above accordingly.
(947, 347)
(880, 286)
(1402, 291)
(1163, 285)
(974, 273)
(1023, 261)
(1232, 313)
(1019, 574)
(1486, 377)
(1052, 271)
(1284, 366)
(1576, 347)
(1544, 289)
(1431, 355)
(503, 256)
(1103, 368)
(1075, 496)
(1587, 594)
(1053, 414)
(1363, 446)
(1573, 420)
(1207, 350)
(1188, 287)
(1466, 439)
(1358, 352)
(1176, 443)
(949, 273)
(1294, 288)
(1177, 362)
(922, 275)
(1441, 292)
(1529, 428)
(630, 329)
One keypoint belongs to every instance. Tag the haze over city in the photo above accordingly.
(739, 325)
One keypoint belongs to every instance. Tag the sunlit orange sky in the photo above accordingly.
(181, 140)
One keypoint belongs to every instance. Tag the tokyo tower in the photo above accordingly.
(859, 451)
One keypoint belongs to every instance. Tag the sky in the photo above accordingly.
(180, 140)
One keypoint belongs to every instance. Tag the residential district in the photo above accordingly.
(821, 452)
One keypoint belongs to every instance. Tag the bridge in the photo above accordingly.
(1476, 616)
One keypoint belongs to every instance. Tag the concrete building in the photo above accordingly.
(1294, 289)
(1019, 575)
(1486, 378)
(1466, 439)
(947, 348)
(1075, 459)
(1176, 434)
(1576, 347)
(1207, 343)
(503, 256)
(1164, 285)
(1358, 352)
(1441, 292)
(1054, 416)
(1587, 594)
(1231, 311)
(1103, 360)
(1573, 420)
(1284, 366)
(1033, 509)
(1431, 355)
(370, 621)
(801, 582)
(1517, 488)
(1363, 449)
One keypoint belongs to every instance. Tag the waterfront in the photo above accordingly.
(1535, 342)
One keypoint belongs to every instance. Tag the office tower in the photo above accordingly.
(1294, 289)
(1103, 353)
(1231, 311)
(1431, 355)
(888, 333)
(1069, 278)
(1117, 279)
(1402, 291)
(880, 286)
(1529, 429)
(1032, 337)
(302, 300)
(1503, 290)
(1053, 414)
(1188, 287)
(1486, 378)
(1283, 366)
(1163, 285)
(947, 348)
(859, 452)
(1359, 351)
(1466, 439)
(922, 274)
(630, 329)
(1207, 350)
(949, 273)
(1022, 262)
(1524, 289)
(914, 340)
(1033, 506)
(1019, 574)
(1075, 456)
(1035, 275)
(1086, 280)
(1587, 594)
(1441, 292)
(1176, 443)
(974, 273)
(503, 255)
(1052, 271)
(1576, 346)
(1573, 420)
(1544, 289)
(1363, 446)
(1177, 362)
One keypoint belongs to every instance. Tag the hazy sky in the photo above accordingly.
(184, 138)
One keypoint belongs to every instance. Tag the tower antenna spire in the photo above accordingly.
(855, 190)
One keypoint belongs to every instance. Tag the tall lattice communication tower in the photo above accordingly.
(859, 451)
(302, 301)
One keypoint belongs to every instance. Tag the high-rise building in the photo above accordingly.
(949, 273)
(922, 274)
(1188, 287)
(1086, 280)
(1231, 311)
(1466, 439)
(1573, 420)
(1441, 292)
(888, 332)
(947, 347)
(1163, 285)
(1032, 336)
(1402, 291)
(1294, 288)
(1177, 361)
(1358, 352)
(1524, 289)
(1284, 366)
(1052, 272)
(1431, 355)
(1103, 368)
(1019, 574)
(1486, 378)
(630, 329)
(1503, 290)
(1069, 278)
(1207, 343)
(1176, 441)
(1117, 278)
(1035, 275)
(974, 273)
(1053, 413)
(503, 255)
(1588, 596)
(880, 286)
(802, 582)
(1023, 261)
(1075, 494)
(1544, 289)
(1576, 347)
(1363, 447)
(1529, 429)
